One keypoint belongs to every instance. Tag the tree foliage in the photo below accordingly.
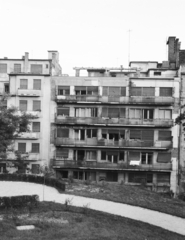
(12, 123)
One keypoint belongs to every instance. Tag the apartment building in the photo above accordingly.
(27, 81)
(117, 124)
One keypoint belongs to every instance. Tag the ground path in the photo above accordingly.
(46, 193)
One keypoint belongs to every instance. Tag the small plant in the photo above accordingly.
(85, 208)
(68, 203)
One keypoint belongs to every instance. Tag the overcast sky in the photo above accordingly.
(90, 32)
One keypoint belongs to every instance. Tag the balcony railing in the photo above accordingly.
(111, 143)
(29, 135)
(26, 156)
(108, 165)
(119, 121)
(28, 93)
(117, 99)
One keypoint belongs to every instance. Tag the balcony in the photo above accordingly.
(156, 100)
(29, 135)
(26, 156)
(152, 100)
(122, 143)
(107, 165)
(118, 121)
(28, 93)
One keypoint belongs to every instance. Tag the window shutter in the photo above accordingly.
(131, 113)
(168, 114)
(36, 68)
(23, 105)
(135, 91)
(104, 112)
(123, 91)
(22, 147)
(115, 153)
(134, 156)
(3, 68)
(92, 90)
(62, 152)
(135, 134)
(164, 157)
(37, 84)
(122, 112)
(113, 112)
(165, 135)
(62, 111)
(36, 127)
(163, 177)
(148, 91)
(148, 135)
(36, 105)
(63, 132)
(23, 83)
(166, 91)
(105, 91)
(35, 148)
(114, 91)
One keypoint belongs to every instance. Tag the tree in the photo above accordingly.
(12, 123)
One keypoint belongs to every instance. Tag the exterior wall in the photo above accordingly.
(107, 167)
(144, 66)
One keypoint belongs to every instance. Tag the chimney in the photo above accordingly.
(173, 52)
(26, 62)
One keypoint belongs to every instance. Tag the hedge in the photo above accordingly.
(19, 201)
(52, 182)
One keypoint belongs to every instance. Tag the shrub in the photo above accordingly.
(18, 201)
(52, 182)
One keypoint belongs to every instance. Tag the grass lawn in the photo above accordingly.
(132, 195)
(57, 221)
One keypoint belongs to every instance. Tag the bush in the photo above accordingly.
(18, 201)
(52, 182)
(181, 196)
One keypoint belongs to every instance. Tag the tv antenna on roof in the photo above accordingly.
(129, 46)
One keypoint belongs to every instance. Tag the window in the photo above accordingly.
(147, 135)
(80, 90)
(23, 83)
(165, 114)
(23, 105)
(140, 177)
(163, 178)
(143, 91)
(157, 73)
(112, 156)
(79, 134)
(91, 155)
(62, 132)
(35, 168)
(62, 111)
(146, 158)
(114, 91)
(86, 112)
(6, 88)
(17, 68)
(165, 92)
(35, 148)
(36, 126)
(92, 90)
(62, 153)
(148, 114)
(37, 84)
(36, 68)
(134, 156)
(47, 66)
(135, 113)
(3, 68)
(36, 105)
(164, 157)
(64, 90)
(22, 147)
(91, 133)
(165, 136)
(114, 135)
(113, 112)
